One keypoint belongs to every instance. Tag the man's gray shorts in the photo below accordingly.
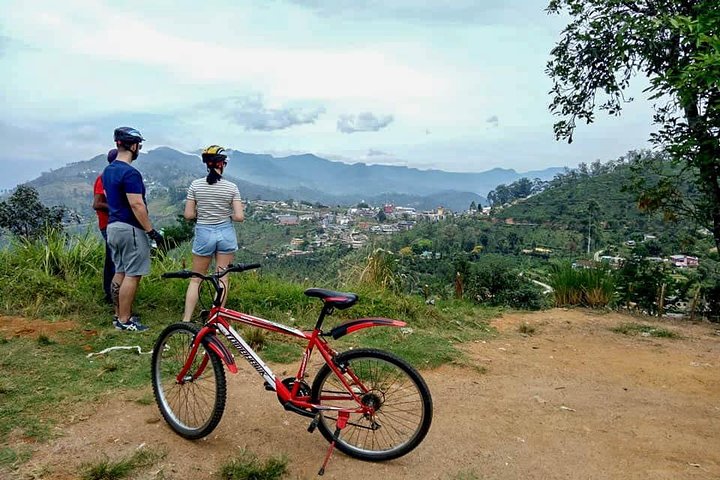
(130, 247)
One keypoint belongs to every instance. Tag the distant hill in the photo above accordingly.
(337, 178)
(597, 201)
(168, 172)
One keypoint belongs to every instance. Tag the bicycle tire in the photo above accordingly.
(404, 411)
(192, 409)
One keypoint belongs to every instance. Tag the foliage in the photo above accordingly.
(709, 285)
(644, 330)
(522, 188)
(495, 280)
(675, 45)
(639, 283)
(248, 467)
(379, 270)
(112, 470)
(590, 287)
(182, 231)
(26, 217)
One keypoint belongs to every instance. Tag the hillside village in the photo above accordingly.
(355, 227)
(351, 227)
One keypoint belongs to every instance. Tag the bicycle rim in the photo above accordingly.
(403, 406)
(192, 408)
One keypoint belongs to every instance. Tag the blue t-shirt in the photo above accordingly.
(120, 178)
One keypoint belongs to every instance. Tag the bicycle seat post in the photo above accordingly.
(326, 310)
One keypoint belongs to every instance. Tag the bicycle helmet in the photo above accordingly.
(127, 136)
(214, 156)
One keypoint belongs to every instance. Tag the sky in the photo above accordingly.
(456, 85)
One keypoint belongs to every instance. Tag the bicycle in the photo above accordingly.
(369, 404)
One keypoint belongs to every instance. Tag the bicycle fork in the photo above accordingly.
(339, 425)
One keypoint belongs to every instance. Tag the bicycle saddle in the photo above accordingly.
(338, 300)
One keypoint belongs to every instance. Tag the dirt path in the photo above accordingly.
(573, 401)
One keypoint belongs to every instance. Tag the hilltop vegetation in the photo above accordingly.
(599, 199)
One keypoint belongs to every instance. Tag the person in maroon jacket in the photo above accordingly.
(101, 209)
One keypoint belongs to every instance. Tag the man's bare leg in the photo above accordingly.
(127, 296)
(117, 281)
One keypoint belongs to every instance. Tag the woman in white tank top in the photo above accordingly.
(214, 203)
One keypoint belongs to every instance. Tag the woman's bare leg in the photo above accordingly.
(222, 260)
(200, 265)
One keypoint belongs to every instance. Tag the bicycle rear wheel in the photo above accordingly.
(193, 407)
(402, 402)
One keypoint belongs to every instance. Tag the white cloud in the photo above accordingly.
(97, 30)
(251, 113)
(364, 122)
(427, 11)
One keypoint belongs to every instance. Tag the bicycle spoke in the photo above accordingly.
(398, 416)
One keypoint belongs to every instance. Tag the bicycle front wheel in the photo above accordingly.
(193, 406)
(398, 394)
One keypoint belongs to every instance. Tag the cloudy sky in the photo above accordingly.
(457, 85)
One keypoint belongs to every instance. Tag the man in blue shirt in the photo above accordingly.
(129, 229)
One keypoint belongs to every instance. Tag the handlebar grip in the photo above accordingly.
(241, 267)
(180, 274)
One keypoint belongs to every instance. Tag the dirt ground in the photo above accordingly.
(574, 401)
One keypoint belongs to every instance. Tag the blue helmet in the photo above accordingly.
(127, 136)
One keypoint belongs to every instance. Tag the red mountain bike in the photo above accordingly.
(369, 403)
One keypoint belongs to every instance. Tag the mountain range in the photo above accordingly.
(168, 172)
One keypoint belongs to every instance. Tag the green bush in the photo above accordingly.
(496, 280)
(639, 283)
(589, 287)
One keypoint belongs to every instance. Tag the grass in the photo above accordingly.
(246, 466)
(123, 468)
(57, 377)
(465, 475)
(591, 287)
(12, 457)
(644, 330)
(526, 329)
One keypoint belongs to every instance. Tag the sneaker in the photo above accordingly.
(132, 325)
(115, 321)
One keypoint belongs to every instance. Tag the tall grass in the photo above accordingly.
(589, 287)
(379, 269)
(247, 466)
(45, 275)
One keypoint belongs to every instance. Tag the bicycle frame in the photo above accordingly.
(219, 320)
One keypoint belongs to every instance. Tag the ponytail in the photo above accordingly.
(213, 176)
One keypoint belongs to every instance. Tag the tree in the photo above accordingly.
(675, 44)
(25, 216)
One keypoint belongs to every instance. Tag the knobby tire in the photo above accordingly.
(192, 409)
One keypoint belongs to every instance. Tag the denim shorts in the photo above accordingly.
(211, 239)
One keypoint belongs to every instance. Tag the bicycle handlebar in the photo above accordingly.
(231, 268)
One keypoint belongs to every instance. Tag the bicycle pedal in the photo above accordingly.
(268, 387)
